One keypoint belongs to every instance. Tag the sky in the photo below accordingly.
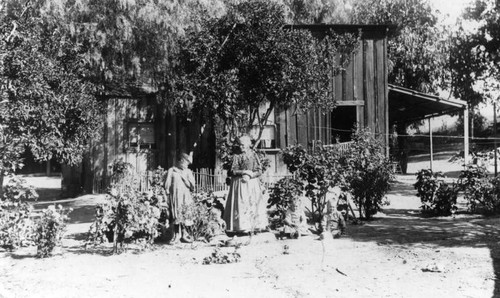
(450, 9)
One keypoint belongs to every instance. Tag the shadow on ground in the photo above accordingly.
(408, 228)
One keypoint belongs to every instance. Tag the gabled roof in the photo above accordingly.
(406, 105)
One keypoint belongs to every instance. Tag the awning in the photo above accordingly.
(406, 105)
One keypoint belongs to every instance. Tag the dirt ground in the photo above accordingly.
(398, 254)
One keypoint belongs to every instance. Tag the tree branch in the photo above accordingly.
(14, 23)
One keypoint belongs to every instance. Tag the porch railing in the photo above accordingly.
(341, 147)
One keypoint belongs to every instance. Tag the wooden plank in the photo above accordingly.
(360, 116)
(181, 136)
(320, 127)
(375, 130)
(358, 79)
(104, 142)
(291, 127)
(386, 97)
(111, 130)
(171, 138)
(311, 126)
(302, 129)
(121, 126)
(380, 89)
(161, 127)
(338, 83)
(351, 103)
(369, 76)
(349, 81)
(328, 125)
(281, 138)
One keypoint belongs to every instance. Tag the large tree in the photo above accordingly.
(476, 54)
(131, 43)
(46, 103)
(248, 60)
(418, 46)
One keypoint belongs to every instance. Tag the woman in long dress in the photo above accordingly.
(179, 184)
(245, 209)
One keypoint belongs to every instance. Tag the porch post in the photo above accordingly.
(430, 139)
(466, 135)
(495, 137)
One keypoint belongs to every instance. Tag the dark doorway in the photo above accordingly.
(343, 120)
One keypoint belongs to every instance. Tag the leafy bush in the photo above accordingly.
(437, 197)
(204, 216)
(427, 184)
(50, 229)
(120, 169)
(491, 198)
(128, 214)
(283, 194)
(445, 201)
(368, 172)
(133, 217)
(16, 225)
(317, 172)
(363, 170)
(480, 191)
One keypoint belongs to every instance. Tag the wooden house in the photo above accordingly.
(137, 129)
(361, 92)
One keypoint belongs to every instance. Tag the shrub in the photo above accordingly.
(480, 191)
(101, 229)
(363, 170)
(368, 172)
(128, 214)
(317, 172)
(133, 217)
(204, 216)
(437, 197)
(445, 201)
(50, 229)
(285, 191)
(491, 198)
(16, 225)
(427, 184)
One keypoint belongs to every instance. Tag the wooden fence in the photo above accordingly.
(206, 180)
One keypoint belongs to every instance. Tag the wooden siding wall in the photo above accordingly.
(362, 84)
(173, 135)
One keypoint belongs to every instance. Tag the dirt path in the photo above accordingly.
(399, 254)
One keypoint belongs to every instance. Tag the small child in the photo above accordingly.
(295, 221)
(216, 228)
(179, 184)
(333, 220)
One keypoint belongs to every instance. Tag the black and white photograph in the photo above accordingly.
(249, 148)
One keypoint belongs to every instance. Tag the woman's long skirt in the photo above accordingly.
(245, 209)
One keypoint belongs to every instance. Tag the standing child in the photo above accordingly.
(179, 185)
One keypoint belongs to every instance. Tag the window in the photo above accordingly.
(343, 121)
(141, 135)
(268, 138)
